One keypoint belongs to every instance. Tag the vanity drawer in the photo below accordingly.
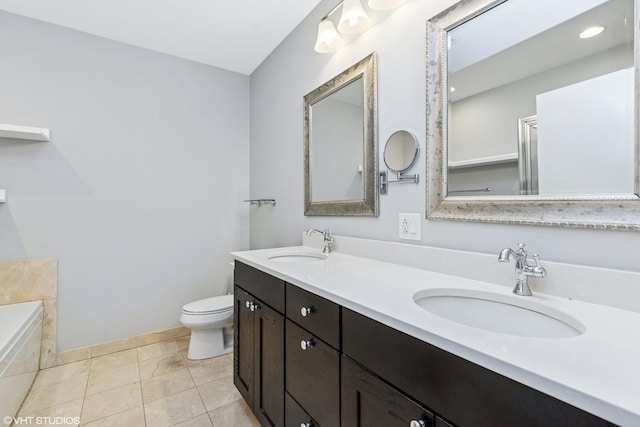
(295, 415)
(465, 393)
(312, 376)
(317, 315)
(263, 286)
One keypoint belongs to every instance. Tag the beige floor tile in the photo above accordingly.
(236, 414)
(55, 394)
(111, 402)
(61, 373)
(67, 414)
(162, 365)
(152, 351)
(174, 409)
(101, 380)
(209, 370)
(199, 421)
(218, 393)
(114, 360)
(165, 385)
(130, 418)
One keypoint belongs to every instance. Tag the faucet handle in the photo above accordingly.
(536, 258)
(328, 234)
(539, 269)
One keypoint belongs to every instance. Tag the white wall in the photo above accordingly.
(138, 194)
(294, 69)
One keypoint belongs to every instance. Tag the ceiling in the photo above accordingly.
(235, 35)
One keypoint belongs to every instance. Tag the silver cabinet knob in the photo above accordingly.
(254, 306)
(417, 423)
(248, 304)
(309, 424)
(305, 311)
(307, 344)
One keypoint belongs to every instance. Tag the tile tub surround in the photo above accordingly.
(153, 385)
(594, 371)
(32, 280)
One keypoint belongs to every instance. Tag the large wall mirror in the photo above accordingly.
(532, 113)
(340, 144)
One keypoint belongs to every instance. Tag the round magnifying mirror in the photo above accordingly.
(401, 151)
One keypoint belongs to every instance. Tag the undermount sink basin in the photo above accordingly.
(513, 315)
(297, 256)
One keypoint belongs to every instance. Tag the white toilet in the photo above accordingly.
(211, 324)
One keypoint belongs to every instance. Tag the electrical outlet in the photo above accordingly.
(409, 226)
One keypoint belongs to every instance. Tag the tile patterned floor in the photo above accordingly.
(155, 385)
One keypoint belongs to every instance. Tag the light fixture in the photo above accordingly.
(591, 32)
(384, 4)
(354, 20)
(328, 38)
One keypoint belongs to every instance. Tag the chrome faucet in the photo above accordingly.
(328, 238)
(524, 270)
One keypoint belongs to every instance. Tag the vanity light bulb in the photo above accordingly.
(353, 19)
(384, 4)
(591, 32)
(328, 38)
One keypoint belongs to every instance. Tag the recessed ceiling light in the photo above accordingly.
(452, 89)
(591, 32)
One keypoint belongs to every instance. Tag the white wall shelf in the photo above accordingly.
(3, 196)
(484, 161)
(24, 132)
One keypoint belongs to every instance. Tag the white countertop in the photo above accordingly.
(598, 371)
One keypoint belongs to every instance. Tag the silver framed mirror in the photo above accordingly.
(340, 144)
(577, 202)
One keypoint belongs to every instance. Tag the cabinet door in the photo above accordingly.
(268, 400)
(258, 363)
(243, 345)
(367, 401)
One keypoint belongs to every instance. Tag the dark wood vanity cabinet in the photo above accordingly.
(302, 360)
(258, 368)
(464, 393)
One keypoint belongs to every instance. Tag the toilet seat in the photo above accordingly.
(212, 305)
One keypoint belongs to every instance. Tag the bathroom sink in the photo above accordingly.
(297, 256)
(507, 314)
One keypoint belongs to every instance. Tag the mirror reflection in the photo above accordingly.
(336, 151)
(401, 151)
(340, 144)
(541, 100)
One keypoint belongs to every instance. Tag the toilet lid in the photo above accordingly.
(210, 305)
